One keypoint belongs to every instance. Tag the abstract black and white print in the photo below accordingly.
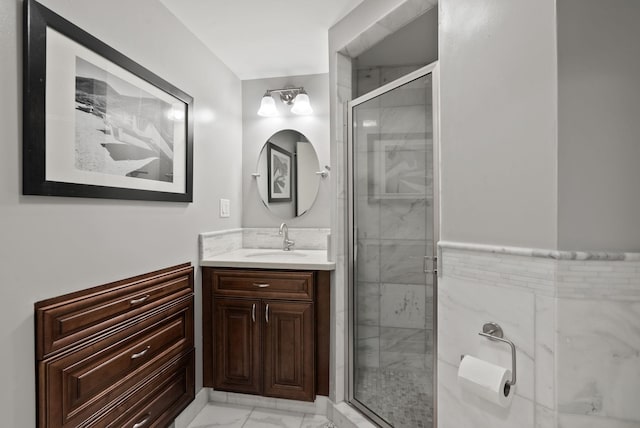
(120, 129)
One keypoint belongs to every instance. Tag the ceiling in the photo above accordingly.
(265, 38)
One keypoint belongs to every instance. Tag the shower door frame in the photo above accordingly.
(351, 223)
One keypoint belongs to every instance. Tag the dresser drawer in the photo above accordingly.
(264, 284)
(159, 400)
(68, 319)
(82, 383)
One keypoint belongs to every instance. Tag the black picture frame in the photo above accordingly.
(169, 174)
(280, 172)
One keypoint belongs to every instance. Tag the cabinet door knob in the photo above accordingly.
(253, 313)
(266, 314)
(264, 285)
(141, 353)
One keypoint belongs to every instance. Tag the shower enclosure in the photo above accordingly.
(393, 226)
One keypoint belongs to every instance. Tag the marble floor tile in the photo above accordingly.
(221, 415)
(314, 421)
(265, 418)
(404, 398)
(233, 416)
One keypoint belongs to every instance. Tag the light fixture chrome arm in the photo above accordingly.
(295, 96)
(287, 95)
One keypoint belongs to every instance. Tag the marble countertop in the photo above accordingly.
(271, 259)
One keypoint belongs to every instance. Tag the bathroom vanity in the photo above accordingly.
(266, 323)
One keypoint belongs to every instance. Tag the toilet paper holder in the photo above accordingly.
(493, 331)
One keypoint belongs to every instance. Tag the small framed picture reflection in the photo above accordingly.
(279, 165)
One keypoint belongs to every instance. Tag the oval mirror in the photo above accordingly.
(287, 180)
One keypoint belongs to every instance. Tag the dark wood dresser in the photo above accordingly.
(117, 355)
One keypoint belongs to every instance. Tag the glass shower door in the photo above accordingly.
(393, 219)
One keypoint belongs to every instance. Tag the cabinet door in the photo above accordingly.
(289, 352)
(237, 345)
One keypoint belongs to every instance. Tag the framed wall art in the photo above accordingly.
(96, 123)
(279, 165)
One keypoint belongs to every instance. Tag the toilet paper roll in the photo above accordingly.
(485, 380)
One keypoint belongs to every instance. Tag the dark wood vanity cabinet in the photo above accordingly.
(289, 361)
(117, 355)
(237, 337)
(266, 332)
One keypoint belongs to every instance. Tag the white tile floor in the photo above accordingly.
(234, 416)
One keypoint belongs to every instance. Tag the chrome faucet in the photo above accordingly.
(286, 242)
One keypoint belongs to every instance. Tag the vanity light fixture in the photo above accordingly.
(297, 97)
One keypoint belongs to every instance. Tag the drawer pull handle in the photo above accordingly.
(141, 353)
(142, 422)
(262, 285)
(140, 300)
(253, 313)
(266, 314)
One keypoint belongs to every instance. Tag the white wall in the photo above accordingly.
(498, 122)
(257, 130)
(598, 126)
(54, 245)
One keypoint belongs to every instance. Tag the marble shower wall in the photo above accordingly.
(575, 320)
(394, 305)
(370, 78)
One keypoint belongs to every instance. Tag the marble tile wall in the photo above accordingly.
(306, 238)
(223, 241)
(213, 243)
(339, 334)
(575, 319)
(392, 298)
(598, 343)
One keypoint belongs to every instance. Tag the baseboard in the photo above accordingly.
(189, 414)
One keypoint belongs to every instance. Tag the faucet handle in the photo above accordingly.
(288, 244)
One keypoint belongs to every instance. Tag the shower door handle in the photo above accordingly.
(434, 264)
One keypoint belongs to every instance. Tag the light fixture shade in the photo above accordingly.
(301, 104)
(268, 106)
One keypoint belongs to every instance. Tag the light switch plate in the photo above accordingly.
(225, 211)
